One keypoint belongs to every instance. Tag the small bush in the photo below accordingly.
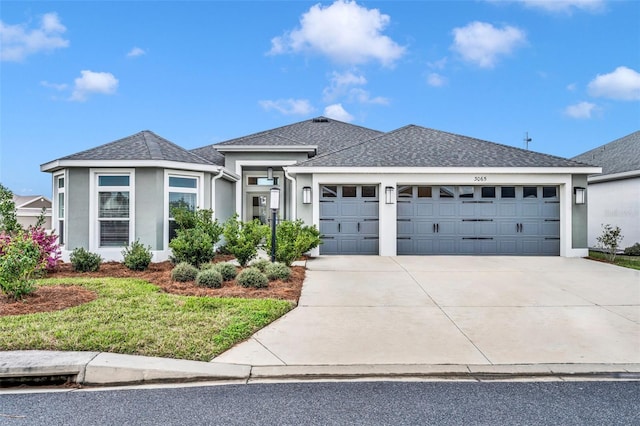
(293, 239)
(610, 240)
(85, 261)
(137, 257)
(261, 264)
(193, 246)
(252, 277)
(19, 263)
(633, 250)
(209, 278)
(278, 271)
(227, 270)
(242, 239)
(184, 272)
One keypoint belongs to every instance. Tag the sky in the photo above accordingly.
(77, 74)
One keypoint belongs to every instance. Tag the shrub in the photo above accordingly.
(227, 270)
(209, 278)
(278, 271)
(193, 246)
(184, 272)
(243, 239)
(137, 257)
(633, 250)
(293, 239)
(261, 264)
(19, 263)
(201, 219)
(8, 217)
(252, 277)
(610, 241)
(85, 261)
(47, 245)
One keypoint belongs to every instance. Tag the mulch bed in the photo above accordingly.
(51, 298)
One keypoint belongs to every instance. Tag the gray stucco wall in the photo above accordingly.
(225, 203)
(77, 213)
(579, 218)
(304, 211)
(149, 193)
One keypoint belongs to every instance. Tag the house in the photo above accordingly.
(30, 207)
(410, 191)
(614, 195)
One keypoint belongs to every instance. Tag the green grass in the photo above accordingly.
(632, 262)
(133, 317)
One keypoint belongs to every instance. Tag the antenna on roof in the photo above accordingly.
(527, 139)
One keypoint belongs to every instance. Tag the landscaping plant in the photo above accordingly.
(293, 239)
(184, 272)
(277, 271)
(261, 264)
(252, 277)
(8, 217)
(242, 239)
(85, 261)
(227, 270)
(137, 257)
(196, 236)
(20, 263)
(610, 240)
(209, 278)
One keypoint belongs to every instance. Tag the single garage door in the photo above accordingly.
(485, 220)
(349, 219)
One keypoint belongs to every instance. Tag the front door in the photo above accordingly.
(258, 207)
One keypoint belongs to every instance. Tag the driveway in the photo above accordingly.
(359, 310)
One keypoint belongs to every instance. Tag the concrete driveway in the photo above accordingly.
(360, 310)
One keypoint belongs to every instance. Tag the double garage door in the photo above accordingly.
(447, 220)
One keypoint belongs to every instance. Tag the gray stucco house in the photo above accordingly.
(409, 191)
(614, 195)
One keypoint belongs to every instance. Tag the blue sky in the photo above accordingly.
(75, 75)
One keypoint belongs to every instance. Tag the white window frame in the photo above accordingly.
(94, 226)
(198, 190)
(55, 217)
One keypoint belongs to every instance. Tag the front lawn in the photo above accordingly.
(632, 262)
(132, 316)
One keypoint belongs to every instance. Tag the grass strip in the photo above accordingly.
(632, 262)
(131, 316)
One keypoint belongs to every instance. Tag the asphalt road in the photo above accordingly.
(345, 403)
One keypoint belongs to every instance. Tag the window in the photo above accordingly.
(369, 191)
(549, 192)
(183, 194)
(424, 192)
(508, 192)
(262, 181)
(488, 192)
(60, 213)
(466, 191)
(529, 192)
(405, 191)
(329, 191)
(114, 210)
(446, 192)
(348, 191)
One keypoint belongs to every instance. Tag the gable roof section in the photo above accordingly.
(415, 146)
(142, 146)
(619, 156)
(31, 201)
(323, 133)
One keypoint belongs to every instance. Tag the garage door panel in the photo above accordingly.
(368, 209)
(486, 210)
(328, 227)
(329, 245)
(405, 208)
(551, 246)
(551, 209)
(550, 227)
(423, 228)
(507, 210)
(349, 209)
(486, 229)
(447, 209)
(424, 209)
(328, 208)
(369, 227)
(530, 210)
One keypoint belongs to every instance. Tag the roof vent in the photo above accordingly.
(320, 120)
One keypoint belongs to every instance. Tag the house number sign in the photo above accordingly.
(479, 178)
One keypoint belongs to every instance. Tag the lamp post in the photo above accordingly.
(274, 204)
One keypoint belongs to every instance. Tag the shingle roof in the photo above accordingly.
(210, 153)
(144, 145)
(621, 155)
(325, 133)
(415, 146)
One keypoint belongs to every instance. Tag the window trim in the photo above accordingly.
(199, 191)
(94, 199)
(55, 217)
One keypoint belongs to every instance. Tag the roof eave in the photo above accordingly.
(56, 165)
(614, 176)
(446, 170)
(268, 148)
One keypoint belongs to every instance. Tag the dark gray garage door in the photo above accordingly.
(505, 220)
(349, 219)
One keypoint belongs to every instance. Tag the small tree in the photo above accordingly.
(196, 236)
(242, 239)
(20, 263)
(293, 239)
(8, 218)
(610, 240)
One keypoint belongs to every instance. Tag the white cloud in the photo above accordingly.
(93, 82)
(17, 41)
(482, 43)
(288, 106)
(581, 110)
(436, 80)
(565, 6)
(56, 86)
(337, 112)
(345, 32)
(364, 97)
(136, 51)
(622, 84)
(339, 84)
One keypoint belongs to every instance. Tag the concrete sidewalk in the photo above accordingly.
(410, 317)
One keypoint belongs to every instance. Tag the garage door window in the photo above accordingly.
(488, 192)
(466, 191)
(549, 192)
(405, 191)
(530, 192)
(446, 192)
(348, 191)
(329, 191)
(508, 192)
(424, 192)
(369, 191)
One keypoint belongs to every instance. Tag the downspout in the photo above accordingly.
(294, 200)
(213, 189)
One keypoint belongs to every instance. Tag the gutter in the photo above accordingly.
(294, 189)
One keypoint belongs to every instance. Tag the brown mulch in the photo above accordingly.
(51, 298)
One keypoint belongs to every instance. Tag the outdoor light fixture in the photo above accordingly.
(270, 173)
(274, 203)
(306, 195)
(388, 195)
(580, 193)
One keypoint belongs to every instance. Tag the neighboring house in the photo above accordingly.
(614, 195)
(30, 207)
(410, 191)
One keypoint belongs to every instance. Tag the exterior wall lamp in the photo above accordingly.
(388, 195)
(580, 194)
(306, 195)
(270, 173)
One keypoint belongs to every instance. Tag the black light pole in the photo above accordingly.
(274, 204)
